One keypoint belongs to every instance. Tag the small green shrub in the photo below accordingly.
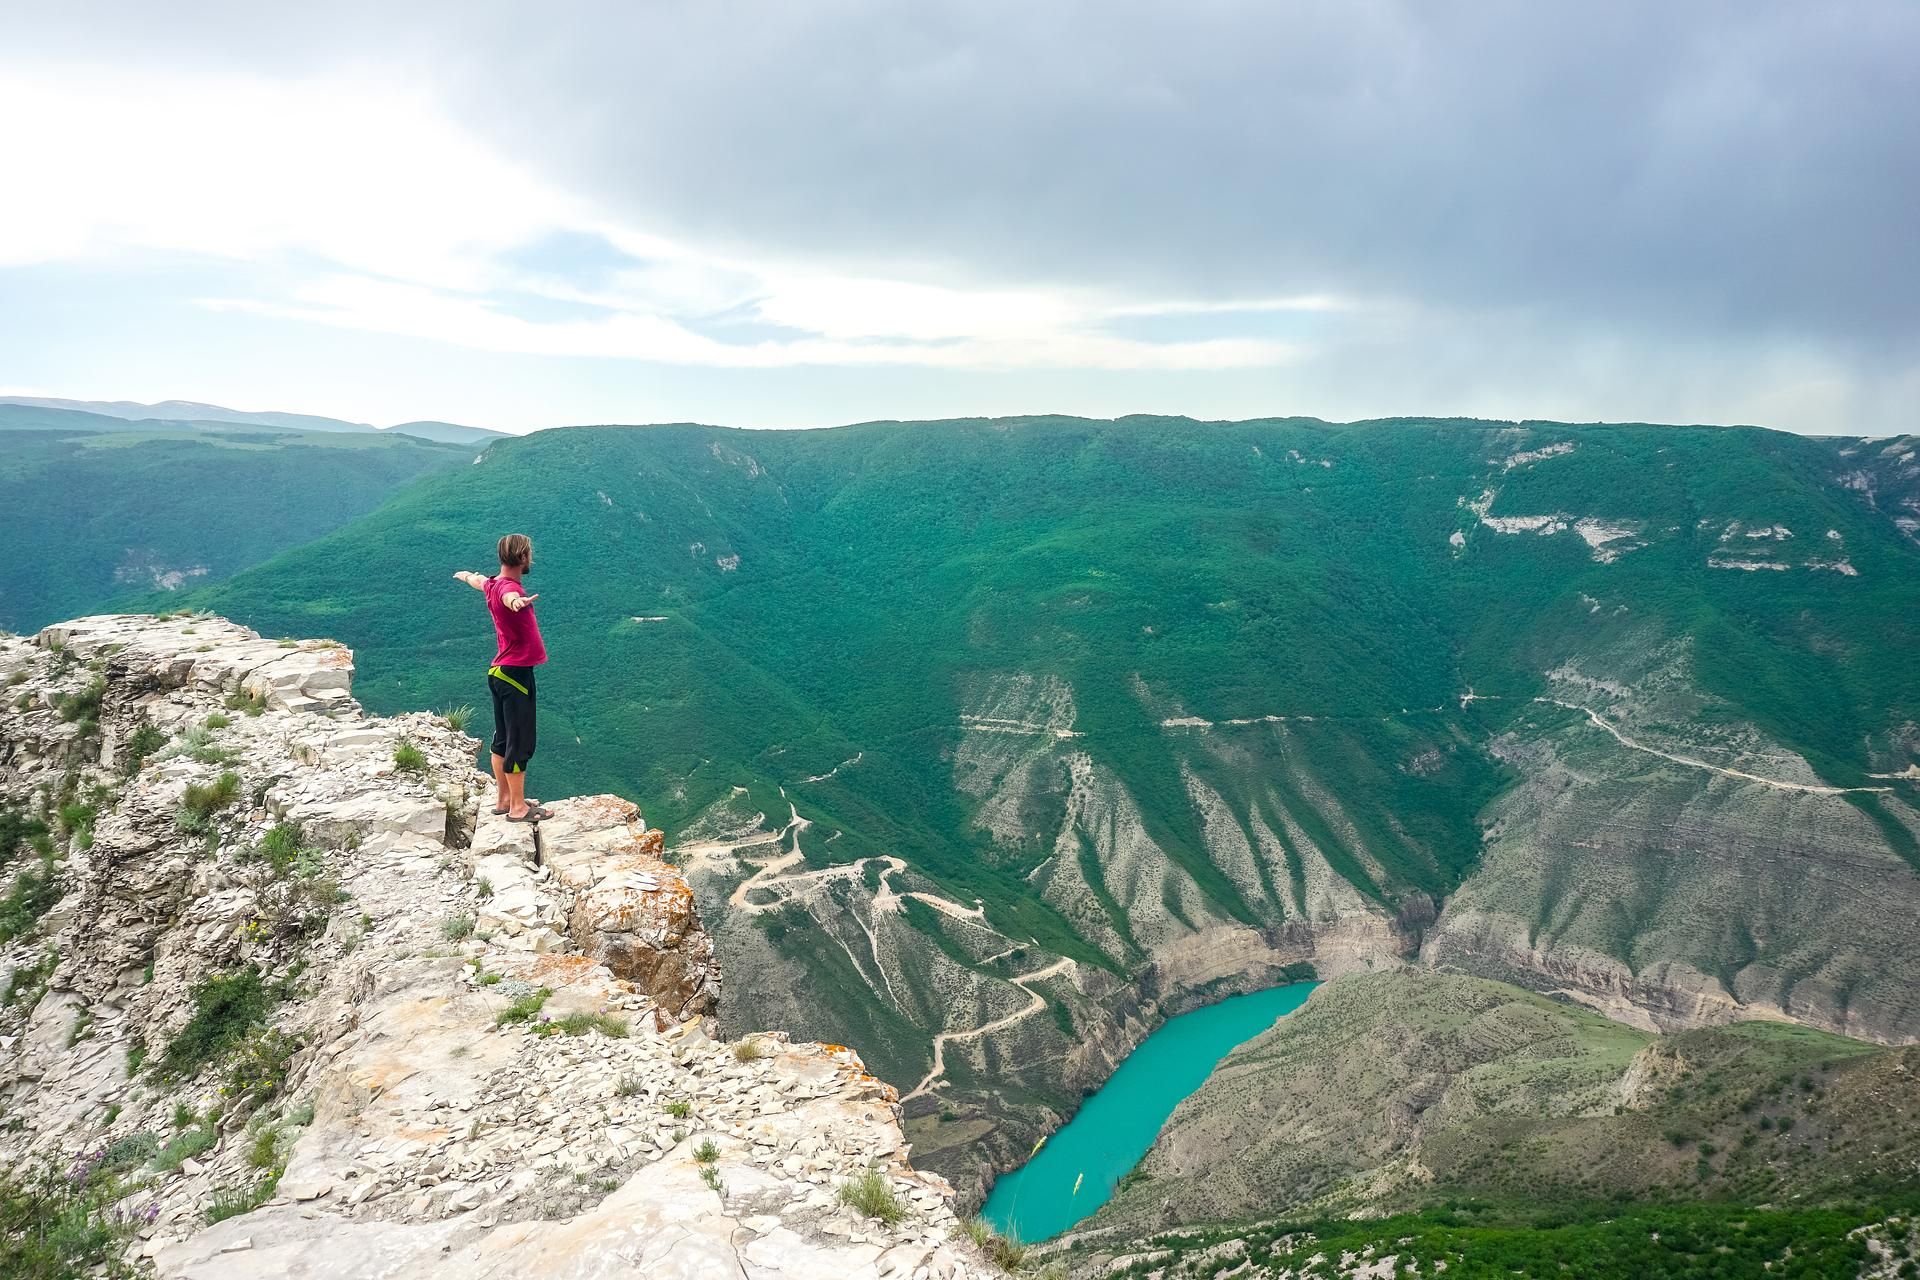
(202, 800)
(706, 1152)
(749, 1050)
(197, 745)
(60, 1224)
(225, 1008)
(871, 1194)
(82, 706)
(259, 1069)
(265, 1150)
(579, 1024)
(217, 720)
(131, 1151)
(188, 1144)
(75, 821)
(35, 891)
(1009, 1255)
(457, 928)
(281, 846)
(141, 743)
(711, 1176)
(408, 758)
(29, 981)
(1006, 1254)
(246, 703)
(524, 1009)
(680, 1110)
(18, 831)
(456, 718)
(231, 1202)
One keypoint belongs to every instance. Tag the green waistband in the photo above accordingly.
(496, 671)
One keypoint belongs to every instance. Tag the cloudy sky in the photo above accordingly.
(794, 214)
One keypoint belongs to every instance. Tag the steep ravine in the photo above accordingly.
(291, 1003)
(1026, 1033)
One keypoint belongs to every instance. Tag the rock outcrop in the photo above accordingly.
(327, 1015)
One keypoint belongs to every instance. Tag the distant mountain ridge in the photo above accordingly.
(104, 510)
(193, 411)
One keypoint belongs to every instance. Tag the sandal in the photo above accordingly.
(534, 813)
(501, 812)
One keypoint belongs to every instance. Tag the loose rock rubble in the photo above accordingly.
(485, 1052)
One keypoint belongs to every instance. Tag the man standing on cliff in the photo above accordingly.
(510, 679)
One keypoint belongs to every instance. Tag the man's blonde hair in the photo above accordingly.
(516, 551)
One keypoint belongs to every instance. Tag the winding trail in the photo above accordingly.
(1803, 787)
(844, 764)
(799, 884)
(940, 1040)
(768, 873)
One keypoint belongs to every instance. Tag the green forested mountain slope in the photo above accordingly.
(97, 517)
(1091, 720)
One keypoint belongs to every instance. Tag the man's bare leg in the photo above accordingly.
(500, 777)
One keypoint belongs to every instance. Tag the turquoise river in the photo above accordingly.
(1078, 1167)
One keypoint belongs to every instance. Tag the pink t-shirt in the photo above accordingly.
(518, 632)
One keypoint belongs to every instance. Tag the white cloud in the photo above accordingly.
(413, 220)
(247, 169)
(379, 306)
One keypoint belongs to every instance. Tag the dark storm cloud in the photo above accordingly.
(1741, 164)
(1699, 170)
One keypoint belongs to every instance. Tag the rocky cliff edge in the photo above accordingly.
(281, 981)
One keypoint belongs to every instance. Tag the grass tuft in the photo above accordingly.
(579, 1024)
(202, 800)
(146, 739)
(246, 703)
(524, 1009)
(871, 1194)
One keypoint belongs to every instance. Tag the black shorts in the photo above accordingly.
(512, 689)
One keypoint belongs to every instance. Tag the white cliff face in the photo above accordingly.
(456, 1049)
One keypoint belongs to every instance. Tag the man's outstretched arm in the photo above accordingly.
(478, 581)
